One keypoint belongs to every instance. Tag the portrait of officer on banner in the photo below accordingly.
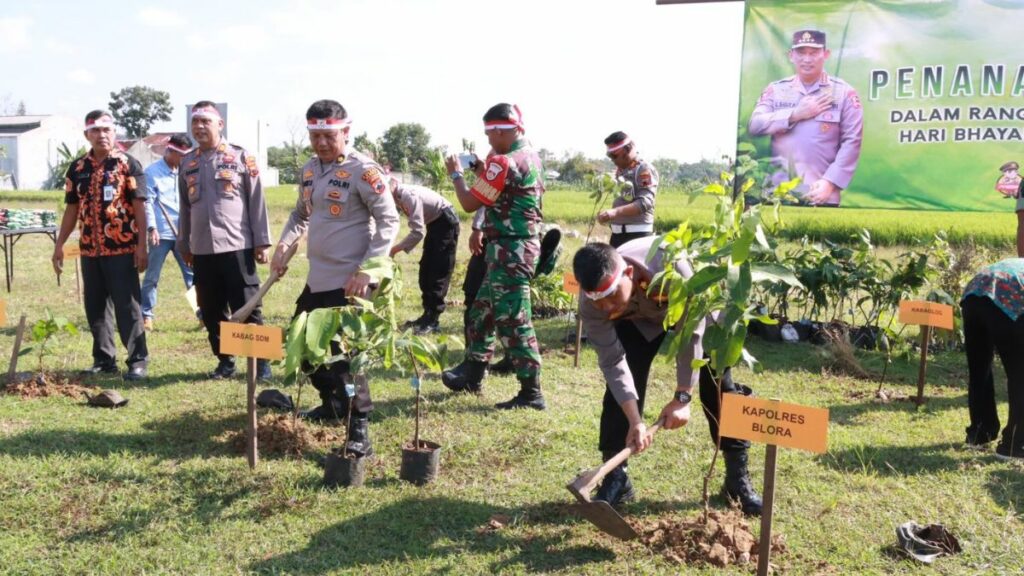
(815, 122)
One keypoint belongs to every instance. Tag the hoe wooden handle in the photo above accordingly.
(244, 312)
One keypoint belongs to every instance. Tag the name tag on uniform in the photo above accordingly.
(108, 193)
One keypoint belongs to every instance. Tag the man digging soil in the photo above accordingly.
(625, 325)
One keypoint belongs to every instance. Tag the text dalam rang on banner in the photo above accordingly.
(962, 80)
(956, 114)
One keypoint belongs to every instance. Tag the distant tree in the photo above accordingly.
(668, 170)
(363, 144)
(433, 171)
(22, 111)
(136, 108)
(703, 171)
(468, 145)
(405, 145)
(576, 168)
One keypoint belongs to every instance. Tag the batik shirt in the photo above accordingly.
(104, 192)
(1003, 284)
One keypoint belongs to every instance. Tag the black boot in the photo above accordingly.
(503, 366)
(225, 368)
(263, 370)
(616, 488)
(737, 483)
(427, 324)
(466, 377)
(529, 396)
(331, 408)
(414, 323)
(359, 435)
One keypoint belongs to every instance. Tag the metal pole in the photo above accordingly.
(926, 338)
(251, 448)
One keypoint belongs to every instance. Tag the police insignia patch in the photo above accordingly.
(222, 147)
(644, 178)
(307, 174)
(193, 164)
(224, 174)
(854, 99)
(374, 179)
(228, 158)
(335, 209)
(250, 163)
(342, 174)
(334, 194)
(825, 127)
(191, 191)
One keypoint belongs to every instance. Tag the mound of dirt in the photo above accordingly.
(47, 384)
(277, 434)
(724, 541)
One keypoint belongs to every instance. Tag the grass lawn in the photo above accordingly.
(154, 488)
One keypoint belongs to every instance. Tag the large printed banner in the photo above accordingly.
(886, 104)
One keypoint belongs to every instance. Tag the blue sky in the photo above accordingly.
(579, 69)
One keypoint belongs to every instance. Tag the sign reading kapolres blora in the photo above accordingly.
(911, 104)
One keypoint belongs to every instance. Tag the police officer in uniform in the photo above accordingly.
(510, 186)
(632, 213)
(223, 228)
(626, 326)
(350, 216)
(432, 220)
(815, 121)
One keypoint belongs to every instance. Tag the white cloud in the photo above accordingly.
(14, 34)
(160, 18)
(81, 76)
(59, 47)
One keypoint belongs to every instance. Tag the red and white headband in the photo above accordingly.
(104, 121)
(620, 145)
(173, 148)
(207, 113)
(609, 286)
(515, 120)
(327, 123)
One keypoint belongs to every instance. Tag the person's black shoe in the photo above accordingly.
(225, 369)
(426, 328)
(329, 410)
(616, 488)
(135, 374)
(529, 396)
(263, 370)
(978, 440)
(503, 366)
(737, 483)
(359, 435)
(1004, 452)
(466, 377)
(414, 323)
(99, 369)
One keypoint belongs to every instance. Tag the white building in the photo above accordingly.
(31, 144)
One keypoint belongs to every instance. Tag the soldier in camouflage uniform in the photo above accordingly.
(510, 186)
(632, 213)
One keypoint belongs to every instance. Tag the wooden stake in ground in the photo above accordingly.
(764, 550)
(926, 315)
(251, 449)
(926, 340)
(13, 369)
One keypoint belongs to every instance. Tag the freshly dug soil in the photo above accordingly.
(725, 540)
(424, 446)
(276, 434)
(46, 384)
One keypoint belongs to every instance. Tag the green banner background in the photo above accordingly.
(869, 35)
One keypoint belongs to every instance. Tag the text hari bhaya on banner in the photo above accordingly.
(886, 104)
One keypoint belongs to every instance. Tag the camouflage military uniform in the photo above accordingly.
(511, 188)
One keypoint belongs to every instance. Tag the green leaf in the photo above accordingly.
(771, 272)
(295, 348)
(321, 325)
(705, 278)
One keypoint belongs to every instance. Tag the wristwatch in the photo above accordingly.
(682, 396)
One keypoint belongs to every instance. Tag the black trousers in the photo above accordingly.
(111, 283)
(619, 239)
(331, 380)
(438, 261)
(225, 282)
(639, 355)
(476, 270)
(988, 330)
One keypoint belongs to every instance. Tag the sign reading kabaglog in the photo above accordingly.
(912, 104)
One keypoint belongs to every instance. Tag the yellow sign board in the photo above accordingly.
(251, 340)
(72, 249)
(924, 313)
(774, 422)
(569, 283)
